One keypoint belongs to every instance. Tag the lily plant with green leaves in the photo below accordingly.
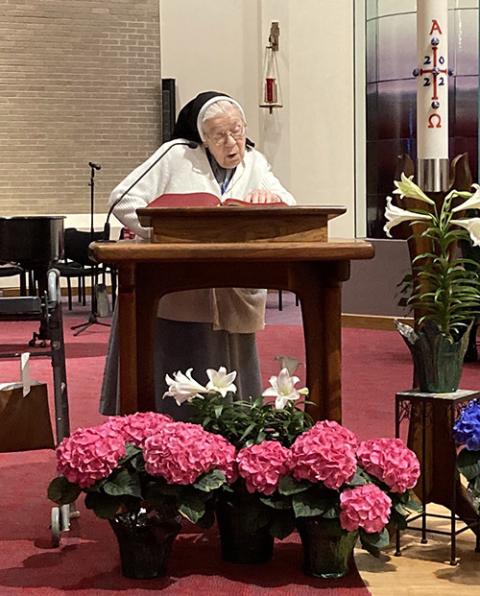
(446, 287)
(281, 417)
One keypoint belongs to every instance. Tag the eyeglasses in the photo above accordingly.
(221, 138)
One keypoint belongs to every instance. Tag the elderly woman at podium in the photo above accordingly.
(208, 328)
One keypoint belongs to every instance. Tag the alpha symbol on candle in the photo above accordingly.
(438, 120)
(435, 27)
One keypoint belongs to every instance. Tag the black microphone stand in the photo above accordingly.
(92, 320)
(106, 228)
(93, 317)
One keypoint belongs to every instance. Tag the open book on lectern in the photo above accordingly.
(202, 199)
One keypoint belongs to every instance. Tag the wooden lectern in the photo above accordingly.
(258, 247)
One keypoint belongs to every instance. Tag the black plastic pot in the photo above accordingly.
(327, 549)
(240, 540)
(145, 544)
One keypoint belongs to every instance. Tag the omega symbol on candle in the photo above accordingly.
(434, 121)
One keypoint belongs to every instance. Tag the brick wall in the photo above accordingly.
(79, 82)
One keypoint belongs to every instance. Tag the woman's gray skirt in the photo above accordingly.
(180, 346)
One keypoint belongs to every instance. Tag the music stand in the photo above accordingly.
(93, 317)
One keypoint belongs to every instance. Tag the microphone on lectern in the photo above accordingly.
(106, 227)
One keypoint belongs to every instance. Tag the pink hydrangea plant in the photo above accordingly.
(263, 465)
(325, 453)
(390, 461)
(336, 430)
(366, 507)
(181, 452)
(224, 456)
(136, 428)
(90, 454)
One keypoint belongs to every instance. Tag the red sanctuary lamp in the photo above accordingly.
(270, 82)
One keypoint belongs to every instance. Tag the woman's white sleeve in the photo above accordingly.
(148, 188)
(272, 183)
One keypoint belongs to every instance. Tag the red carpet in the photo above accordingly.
(376, 364)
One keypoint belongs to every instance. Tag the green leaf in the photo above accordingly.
(257, 402)
(261, 436)
(104, 506)
(133, 458)
(276, 502)
(468, 463)
(131, 451)
(330, 513)
(358, 480)
(122, 482)
(211, 481)
(290, 486)
(248, 430)
(398, 520)
(475, 485)
(374, 542)
(401, 509)
(413, 505)
(192, 507)
(307, 504)
(63, 492)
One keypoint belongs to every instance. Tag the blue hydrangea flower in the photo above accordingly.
(466, 429)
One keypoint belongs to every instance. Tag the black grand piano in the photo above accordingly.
(35, 243)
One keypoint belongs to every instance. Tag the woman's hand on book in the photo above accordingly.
(261, 196)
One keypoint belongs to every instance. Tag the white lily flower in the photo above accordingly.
(183, 387)
(472, 225)
(283, 389)
(407, 188)
(221, 381)
(471, 203)
(396, 215)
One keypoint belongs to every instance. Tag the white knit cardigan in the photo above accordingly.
(188, 170)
